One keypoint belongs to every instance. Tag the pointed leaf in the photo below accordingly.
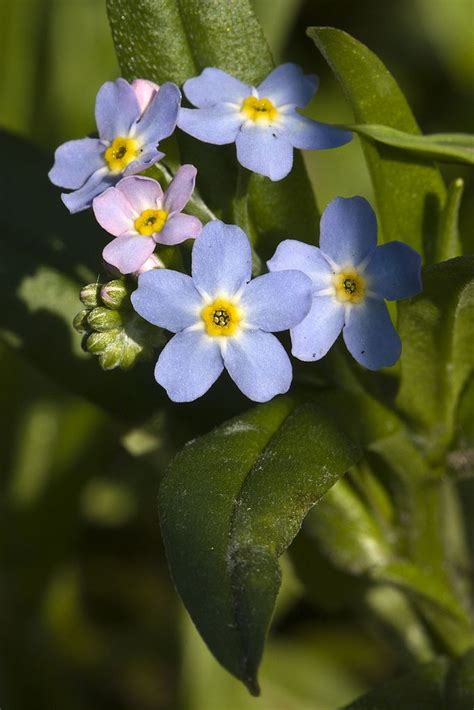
(230, 504)
(445, 147)
(410, 194)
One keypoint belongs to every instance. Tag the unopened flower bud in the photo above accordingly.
(97, 342)
(102, 319)
(114, 293)
(80, 322)
(112, 355)
(90, 295)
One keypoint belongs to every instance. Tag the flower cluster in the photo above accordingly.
(219, 317)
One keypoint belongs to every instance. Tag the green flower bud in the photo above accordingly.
(80, 321)
(97, 342)
(90, 295)
(115, 294)
(102, 318)
(111, 357)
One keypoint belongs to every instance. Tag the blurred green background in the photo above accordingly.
(88, 616)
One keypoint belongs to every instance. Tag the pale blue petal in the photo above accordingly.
(277, 301)
(147, 157)
(288, 84)
(348, 230)
(394, 271)
(264, 150)
(180, 189)
(258, 364)
(221, 259)
(82, 199)
(75, 161)
(214, 86)
(292, 254)
(216, 124)
(304, 133)
(159, 119)
(370, 336)
(189, 364)
(312, 338)
(116, 109)
(168, 299)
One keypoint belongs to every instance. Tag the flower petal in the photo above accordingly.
(189, 364)
(307, 134)
(312, 338)
(292, 254)
(394, 271)
(277, 301)
(141, 192)
(180, 189)
(178, 228)
(265, 151)
(258, 364)
(128, 253)
(288, 84)
(214, 86)
(168, 299)
(221, 259)
(348, 230)
(370, 336)
(214, 124)
(82, 199)
(76, 161)
(116, 109)
(114, 212)
(148, 157)
(144, 90)
(159, 119)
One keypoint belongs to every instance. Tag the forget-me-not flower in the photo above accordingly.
(351, 277)
(263, 120)
(140, 215)
(131, 120)
(221, 320)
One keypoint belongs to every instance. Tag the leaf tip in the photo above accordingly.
(252, 685)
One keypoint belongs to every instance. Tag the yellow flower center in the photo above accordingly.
(221, 317)
(350, 286)
(122, 152)
(150, 222)
(259, 110)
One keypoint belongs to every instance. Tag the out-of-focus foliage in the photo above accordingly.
(89, 619)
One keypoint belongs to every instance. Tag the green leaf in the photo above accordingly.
(422, 688)
(437, 331)
(445, 147)
(230, 504)
(168, 40)
(409, 193)
(437, 685)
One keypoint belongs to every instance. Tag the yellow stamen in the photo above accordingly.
(122, 152)
(350, 286)
(221, 317)
(150, 222)
(259, 110)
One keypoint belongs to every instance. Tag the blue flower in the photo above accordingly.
(262, 120)
(131, 120)
(351, 277)
(221, 320)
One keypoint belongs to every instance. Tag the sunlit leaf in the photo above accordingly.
(410, 194)
(445, 147)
